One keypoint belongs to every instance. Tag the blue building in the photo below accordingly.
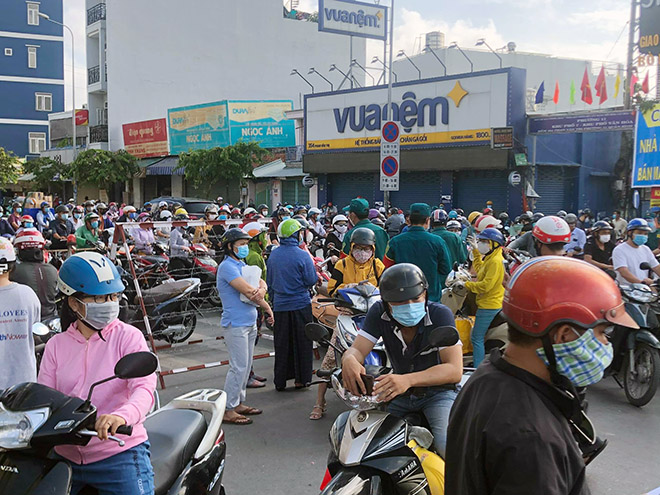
(31, 73)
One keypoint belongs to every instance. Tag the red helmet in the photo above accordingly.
(27, 218)
(553, 289)
(550, 229)
(487, 222)
(29, 238)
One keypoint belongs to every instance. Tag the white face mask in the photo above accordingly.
(342, 229)
(483, 247)
(212, 216)
(605, 238)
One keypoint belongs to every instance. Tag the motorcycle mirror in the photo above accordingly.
(40, 329)
(136, 365)
(440, 337)
(456, 265)
(644, 266)
(316, 332)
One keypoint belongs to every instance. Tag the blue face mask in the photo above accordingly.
(285, 218)
(95, 224)
(409, 315)
(77, 215)
(132, 216)
(222, 217)
(242, 251)
(29, 225)
(640, 239)
(65, 216)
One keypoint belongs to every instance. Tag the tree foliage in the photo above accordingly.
(103, 168)
(9, 167)
(205, 167)
(45, 171)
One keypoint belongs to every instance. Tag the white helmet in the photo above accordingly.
(551, 230)
(313, 211)
(454, 224)
(7, 254)
(165, 214)
(163, 204)
(486, 222)
(339, 218)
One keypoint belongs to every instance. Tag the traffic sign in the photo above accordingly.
(308, 181)
(389, 156)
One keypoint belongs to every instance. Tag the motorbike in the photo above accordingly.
(170, 306)
(455, 297)
(42, 332)
(636, 363)
(373, 452)
(201, 266)
(187, 452)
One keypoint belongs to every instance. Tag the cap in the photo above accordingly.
(359, 206)
(421, 209)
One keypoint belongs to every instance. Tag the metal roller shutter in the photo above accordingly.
(472, 188)
(293, 192)
(417, 187)
(344, 187)
(555, 186)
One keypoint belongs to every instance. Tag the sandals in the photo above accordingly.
(250, 411)
(238, 420)
(317, 412)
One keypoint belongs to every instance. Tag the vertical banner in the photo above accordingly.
(646, 159)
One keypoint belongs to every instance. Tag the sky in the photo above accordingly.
(587, 29)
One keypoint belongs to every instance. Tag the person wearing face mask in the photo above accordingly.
(15, 217)
(489, 265)
(599, 247)
(619, 223)
(76, 219)
(358, 214)
(290, 276)
(628, 256)
(513, 427)
(425, 383)
(179, 243)
(313, 217)
(60, 227)
(263, 210)
(550, 234)
(143, 236)
(279, 216)
(92, 342)
(456, 247)
(27, 222)
(44, 217)
(335, 237)
(88, 235)
(5, 227)
(201, 235)
(239, 322)
(575, 247)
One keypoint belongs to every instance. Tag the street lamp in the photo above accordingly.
(355, 62)
(376, 59)
(312, 70)
(333, 67)
(428, 49)
(73, 92)
(403, 54)
(455, 45)
(295, 71)
(482, 41)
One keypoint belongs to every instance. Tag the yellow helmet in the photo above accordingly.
(180, 211)
(473, 216)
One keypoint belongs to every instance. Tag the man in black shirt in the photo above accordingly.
(61, 228)
(599, 246)
(514, 426)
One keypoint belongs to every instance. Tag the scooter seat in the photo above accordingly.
(174, 435)
(164, 291)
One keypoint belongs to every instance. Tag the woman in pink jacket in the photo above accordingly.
(87, 352)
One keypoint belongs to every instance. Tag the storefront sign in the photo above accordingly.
(622, 120)
(146, 139)
(501, 138)
(515, 179)
(353, 18)
(308, 181)
(655, 196)
(451, 111)
(649, 27)
(646, 164)
(521, 159)
(198, 127)
(82, 117)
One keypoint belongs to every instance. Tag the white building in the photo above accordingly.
(97, 80)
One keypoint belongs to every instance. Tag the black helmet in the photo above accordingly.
(504, 216)
(601, 225)
(586, 211)
(262, 207)
(62, 209)
(402, 282)
(537, 216)
(363, 237)
(302, 221)
(232, 235)
(283, 212)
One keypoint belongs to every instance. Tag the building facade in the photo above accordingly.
(31, 73)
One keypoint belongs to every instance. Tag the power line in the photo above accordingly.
(617, 39)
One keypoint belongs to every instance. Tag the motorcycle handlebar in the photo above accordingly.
(324, 373)
(125, 430)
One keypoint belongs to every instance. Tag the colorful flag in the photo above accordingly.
(572, 95)
(617, 85)
(586, 88)
(539, 93)
(645, 84)
(600, 80)
(633, 82)
(555, 98)
(603, 92)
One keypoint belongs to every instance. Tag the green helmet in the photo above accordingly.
(91, 216)
(287, 228)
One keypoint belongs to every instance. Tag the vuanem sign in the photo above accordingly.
(353, 18)
(646, 164)
(443, 112)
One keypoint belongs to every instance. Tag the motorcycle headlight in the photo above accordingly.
(17, 428)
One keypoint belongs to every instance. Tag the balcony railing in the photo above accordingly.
(98, 134)
(93, 75)
(96, 13)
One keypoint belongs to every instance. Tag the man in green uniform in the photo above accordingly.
(419, 247)
(358, 212)
(88, 235)
(456, 247)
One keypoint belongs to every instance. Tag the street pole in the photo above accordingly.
(631, 47)
(390, 109)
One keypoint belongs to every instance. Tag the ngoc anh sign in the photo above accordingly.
(646, 164)
(353, 18)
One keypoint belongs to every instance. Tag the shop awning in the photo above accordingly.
(147, 162)
(277, 169)
(165, 166)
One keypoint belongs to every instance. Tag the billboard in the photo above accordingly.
(146, 139)
(649, 27)
(646, 160)
(222, 123)
(617, 120)
(448, 111)
(353, 18)
(82, 117)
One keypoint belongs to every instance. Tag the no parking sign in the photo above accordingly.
(389, 156)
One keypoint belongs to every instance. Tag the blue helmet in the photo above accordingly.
(453, 214)
(638, 224)
(440, 216)
(90, 273)
(492, 235)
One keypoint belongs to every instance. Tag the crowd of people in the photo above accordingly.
(269, 271)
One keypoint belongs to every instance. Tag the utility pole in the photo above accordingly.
(390, 109)
(628, 141)
(631, 48)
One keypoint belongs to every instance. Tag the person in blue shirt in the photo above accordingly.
(575, 247)
(239, 323)
(290, 275)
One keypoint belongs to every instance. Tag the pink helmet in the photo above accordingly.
(487, 222)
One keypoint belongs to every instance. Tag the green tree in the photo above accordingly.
(45, 171)
(9, 167)
(103, 168)
(205, 167)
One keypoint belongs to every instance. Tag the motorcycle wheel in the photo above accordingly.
(214, 298)
(189, 324)
(641, 378)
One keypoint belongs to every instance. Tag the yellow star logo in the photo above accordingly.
(457, 94)
(379, 14)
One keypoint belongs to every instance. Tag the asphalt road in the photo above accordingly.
(284, 452)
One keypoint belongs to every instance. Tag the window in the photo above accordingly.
(37, 142)
(33, 14)
(32, 57)
(44, 102)
(9, 52)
